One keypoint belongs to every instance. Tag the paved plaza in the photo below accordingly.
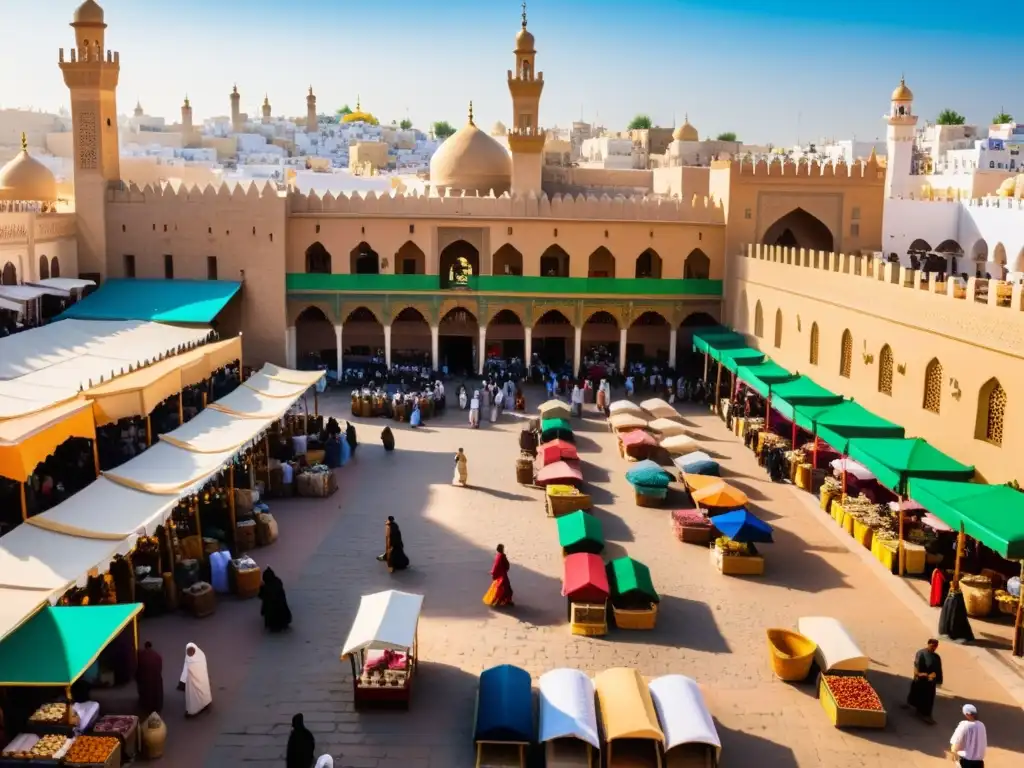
(710, 627)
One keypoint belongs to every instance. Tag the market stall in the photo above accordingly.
(625, 406)
(636, 445)
(568, 719)
(697, 463)
(580, 532)
(735, 553)
(666, 427)
(690, 733)
(716, 496)
(556, 429)
(660, 409)
(633, 597)
(562, 499)
(503, 723)
(556, 450)
(560, 473)
(629, 721)
(585, 588)
(382, 648)
(679, 445)
(650, 483)
(554, 409)
(624, 422)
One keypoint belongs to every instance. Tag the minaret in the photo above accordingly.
(139, 111)
(266, 109)
(525, 136)
(902, 122)
(91, 76)
(312, 124)
(186, 118)
(236, 110)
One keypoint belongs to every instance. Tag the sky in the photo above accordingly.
(772, 72)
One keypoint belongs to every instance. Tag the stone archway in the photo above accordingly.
(44, 267)
(601, 263)
(459, 261)
(506, 336)
(9, 275)
(600, 334)
(507, 260)
(314, 339)
(554, 262)
(458, 334)
(410, 260)
(648, 265)
(54, 267)
(800, 229)
(979, 253)
(690, 364)
(363, 260)
(318, 259)
(363, 336)
(410, 338)
(649, 338)
(948, 253)
(697, 265)
(553, 338)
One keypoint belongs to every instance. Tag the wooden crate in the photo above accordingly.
(862, 533)
(589, 619)
(733, 565)
(643, 620)
(848, 718)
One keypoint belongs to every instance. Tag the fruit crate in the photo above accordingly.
(848, 718)
(737, 565)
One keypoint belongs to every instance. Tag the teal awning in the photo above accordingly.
(992, 514)
(837, 424)
(57, 645)
(165, 301)
(801, 391)
(895, 461)
(732, 358)
(762, 377)
(718, 337)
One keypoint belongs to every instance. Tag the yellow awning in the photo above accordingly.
(28, 440)
(139, 392)
(627, 710)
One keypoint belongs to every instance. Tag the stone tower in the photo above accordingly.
(139, 111)
(266, 109)
(236, 110)
(91, 76)
(312, 124)
(902, 126)
(525, 136)
(186, 119)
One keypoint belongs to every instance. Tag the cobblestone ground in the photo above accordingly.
(710, 627)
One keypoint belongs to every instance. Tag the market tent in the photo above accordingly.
(11, 305)
(504, 706)
(625, 406)
(270, 386)
(213, 431)
(628, 577)
(762, 377)
(802, 391)
(57, 645)
(584, 579)
(683, 715)
(744, 527)
(166, 469)
(557, 433)
(26, 293)
(18, 605)
(29, 440)
(719, 496)
(65, 284)
(837, 424)
(731, 359)
(850, 467)
(660, 409)
(666, 427)
(556, 450)
(291, 375)
(560, 473)
(719, 337)
(567, 709)
(894, 461)
(554, 409)
(836, 651)
(34, 558)
(627, 710)
(250, 404)
(385, 621)
(555, 423)
(991, 514)
(168, 301)
(699, 482)
(580, 532)
(106, 510)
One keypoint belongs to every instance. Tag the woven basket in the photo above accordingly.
(978, 595)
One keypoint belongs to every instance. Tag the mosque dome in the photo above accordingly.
(902, 93)
(471, 160)
(685, 132)
(524, 39)
(499, 129)
(88, 12)
(24, 178)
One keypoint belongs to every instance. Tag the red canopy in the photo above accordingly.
(564, 472)
(556, 450)
(637, 437)
(584, 579)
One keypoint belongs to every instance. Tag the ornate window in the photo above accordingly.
(933, 386)
(759, 321)
(885, 370)
(778, 328)
(846, 355)
(991, 412)
(814, 344)
(88, 151)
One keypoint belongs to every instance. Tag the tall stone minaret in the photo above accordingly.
(236, 110)
(91, 76)
(312, 123)
(186, 118)
(266, 109)
(902, 126)
(525, 136)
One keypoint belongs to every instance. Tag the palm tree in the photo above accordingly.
(727, 136)
(640, 123)
(950, 117)
(406, 124)
(443, 129)
(1002, 118)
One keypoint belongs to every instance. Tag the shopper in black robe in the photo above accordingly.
(927, 677)
(301, 745)
(953, 621)
(387, 437)
(277, 616)
(394, 548)
(350, 436)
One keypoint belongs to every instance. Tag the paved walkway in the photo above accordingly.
(710, 627)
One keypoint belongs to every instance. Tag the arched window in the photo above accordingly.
(885, 370)
(991, 412)
(814, 344)
(318, 259)
(54, 267)
(697, 265)
(44, 268)
(778, 328)
(933, 386)
(846, 355)
(758, 321)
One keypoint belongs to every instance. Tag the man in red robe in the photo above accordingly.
(149, 678)
(500, 593)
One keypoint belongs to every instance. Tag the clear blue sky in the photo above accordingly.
(768, 71)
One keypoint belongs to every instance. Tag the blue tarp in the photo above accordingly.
(165, 301)
(504, 710)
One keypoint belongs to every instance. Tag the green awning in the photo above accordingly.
(717, 338)
(165, 301)
(762, 377)
(547, 424)
(992, 514)
(626, 575)
(580, 532)
(732, 358)
(837, 424)
(894, 461)
(801, 391)
(57, 645)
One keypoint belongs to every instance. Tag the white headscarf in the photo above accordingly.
(196, 677)
(325, 761)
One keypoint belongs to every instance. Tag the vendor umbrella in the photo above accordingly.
(561, 473)
(743, 527)
(720, 496)
(556, 450)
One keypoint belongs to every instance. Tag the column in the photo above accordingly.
(435, 345)
(338, 347)
(528, 351)
(387, 346)
(577, 351)
(673, 339)
(291, 351)
(481, 352)
(623, 339)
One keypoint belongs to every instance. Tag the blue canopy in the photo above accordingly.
(743, 527)
(164, 301)
(504, 711)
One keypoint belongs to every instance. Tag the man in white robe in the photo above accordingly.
(195, 681)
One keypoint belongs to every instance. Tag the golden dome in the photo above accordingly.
(902, 93)
(471, 160)
(685, 132)
(524, 41)
(26, 179)
(88, 12)
(499, 129)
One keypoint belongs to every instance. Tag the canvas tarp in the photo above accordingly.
(33, 558)
(306, 378)
(837, 424)
(991, 514)
(213, 431)
(29, 440)
(18, 605)
(895, 461)
(732, 358)
(801, 391)
(107, 510)
(166, 301)
(166, 469)
(762, 377)
(627, 710)
(717, 337)
(249, 404)
(270, 386)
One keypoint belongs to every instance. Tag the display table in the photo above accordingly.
(125, 728)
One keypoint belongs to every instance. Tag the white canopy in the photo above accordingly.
(66, 284)
(250, 404)
(837, 651)
(33, 558)
(167, 469)
(385, 621)
(24, 293)
(17, 605)
(625, 406)
(659, 408)
(270, 386)
(683, 715)
(105, 508)
(567, 708)
(852, 467)
(213, 431)
(11, 305)
(306, 378)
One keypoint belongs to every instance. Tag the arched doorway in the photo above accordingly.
(44, 267)
(947, 256)
(10, 274)
(697, 265)
(506, 338)
(54, 267)
(553, 336)
(998, 271)
(979, 255)
(318, 259)
(690, 364)
(363, 260)
(554, 262)
(410, 338)
(799, 229)
(648, 265)
(457, 335)
(599, 339)
(314, 340)
(601, 263)
(459, 262)
(649, 337)
(363, 336)
(410, 260)
(507, 260)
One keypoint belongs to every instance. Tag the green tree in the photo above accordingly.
(1002, 118)
(342, 111)
(727, 136)
(950, 117)
(406, 124)
(443, 129)
(639, 123)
